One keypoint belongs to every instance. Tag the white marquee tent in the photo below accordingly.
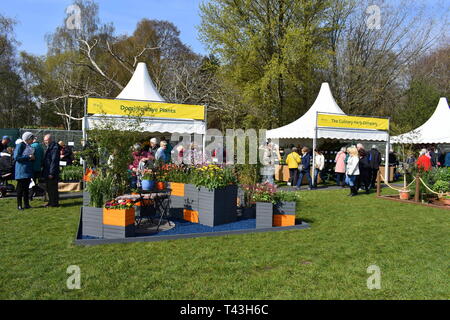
(435, 130)
(305, 126)
(141, 88)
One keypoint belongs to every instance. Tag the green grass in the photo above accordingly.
(329, 261)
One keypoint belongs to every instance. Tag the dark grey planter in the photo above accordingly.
(116, 232)
(285, 207)
(191, 197)
(217, 206)
(92, 222)
(264, 215)
(176, 202)
(249, 212)
(86, 198)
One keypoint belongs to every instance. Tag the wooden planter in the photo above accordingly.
(118, 223)
(264, 214)
(92, 222)
(217, 206)
(284, 214)
(69, 186)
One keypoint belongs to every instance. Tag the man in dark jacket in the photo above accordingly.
(374, 157)
(51, 170)
(4, 143)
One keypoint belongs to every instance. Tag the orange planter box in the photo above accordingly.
(283, 220)
(118, 217)
(190, 215)
(177, 189)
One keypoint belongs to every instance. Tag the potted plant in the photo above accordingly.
(404, 192)
(263, 194)
(148, 179)
(99, 188)
(285, 209)
(118, 219)
(217, 194)
(443, 187)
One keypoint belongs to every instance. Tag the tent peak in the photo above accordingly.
(140, 86)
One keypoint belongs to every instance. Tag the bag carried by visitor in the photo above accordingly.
(300, 167)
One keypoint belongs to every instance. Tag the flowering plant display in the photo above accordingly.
(148, 174)
(176, 173)
(213, 176)
(119, 204)
(261, 192)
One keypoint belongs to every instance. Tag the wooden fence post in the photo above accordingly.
(417, 195)
(378, 184)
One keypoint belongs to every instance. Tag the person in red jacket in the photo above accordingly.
(424, 162)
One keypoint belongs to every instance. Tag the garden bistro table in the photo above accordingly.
(159, 198)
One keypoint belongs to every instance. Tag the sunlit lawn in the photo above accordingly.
(328, 261)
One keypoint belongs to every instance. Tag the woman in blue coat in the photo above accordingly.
(24, 157)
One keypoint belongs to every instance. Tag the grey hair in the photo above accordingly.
(343, 149)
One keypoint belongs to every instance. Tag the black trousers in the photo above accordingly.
(363, 180)
(52, 190)
(373, 180)
(22, 191)
(293, 176)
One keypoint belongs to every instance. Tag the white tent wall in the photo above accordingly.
(435, 130)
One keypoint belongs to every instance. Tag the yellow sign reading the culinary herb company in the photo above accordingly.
(135, 108)
(342, 121)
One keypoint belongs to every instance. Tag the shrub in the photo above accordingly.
(71, 174)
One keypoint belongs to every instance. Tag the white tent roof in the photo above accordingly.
(304, 127)
(140, 86)
(435, 130)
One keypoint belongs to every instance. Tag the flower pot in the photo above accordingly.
(217, 206)
(160, 185)
(264, 215)
(445, 201)
(148, 185)
(92, 221)
(404, 194)
(284, 214)
(118, 223)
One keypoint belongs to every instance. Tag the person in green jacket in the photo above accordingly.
(37, 166)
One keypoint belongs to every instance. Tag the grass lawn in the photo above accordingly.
(329, 261)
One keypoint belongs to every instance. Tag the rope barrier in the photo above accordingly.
(387, 183)
(438, 193)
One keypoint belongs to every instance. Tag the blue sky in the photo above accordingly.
(36, 18)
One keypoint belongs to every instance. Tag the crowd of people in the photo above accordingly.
(32, 165)
(355, 166)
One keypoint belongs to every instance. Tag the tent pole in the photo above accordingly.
(314, 147)
(386, 161)
(204, 134)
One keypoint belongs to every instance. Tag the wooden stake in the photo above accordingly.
(417, 195)
(378, 184)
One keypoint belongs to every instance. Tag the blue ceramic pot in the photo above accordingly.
(148, 184)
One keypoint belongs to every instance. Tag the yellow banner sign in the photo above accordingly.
(145, 109)
(342, 121)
